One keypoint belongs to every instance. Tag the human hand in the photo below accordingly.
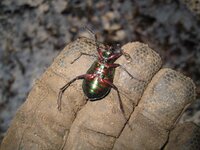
(153, 104)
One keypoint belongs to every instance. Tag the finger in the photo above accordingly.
(184, 136)
(163, 102)
(38, 124)
(98, 124)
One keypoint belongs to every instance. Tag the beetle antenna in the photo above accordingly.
(91, 32)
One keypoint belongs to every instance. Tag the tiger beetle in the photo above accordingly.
(98, 80)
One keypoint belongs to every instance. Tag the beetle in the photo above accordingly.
(98, 80)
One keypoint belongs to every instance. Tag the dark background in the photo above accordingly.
(33, 32)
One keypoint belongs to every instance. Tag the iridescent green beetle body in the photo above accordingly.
(95, 89)
(98, 80)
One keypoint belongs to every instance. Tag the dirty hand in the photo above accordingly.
(153, 101)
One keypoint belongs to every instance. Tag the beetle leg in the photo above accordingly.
(132, 77)
(118, 94)
(81, 54)
(119, 98)
(115, 56)
(112, 65)
(84, 76)
(118, 65)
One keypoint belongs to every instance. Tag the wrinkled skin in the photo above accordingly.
(153, 104)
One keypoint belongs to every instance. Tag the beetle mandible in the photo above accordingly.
(98, 80)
